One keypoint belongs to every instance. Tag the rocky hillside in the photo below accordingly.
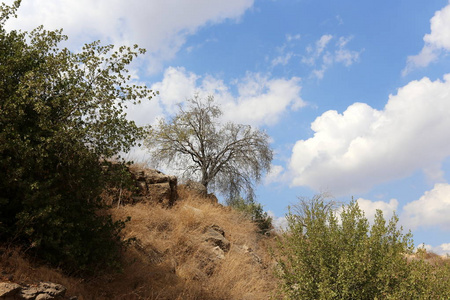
(183, 245)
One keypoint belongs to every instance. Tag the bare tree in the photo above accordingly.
(227, 157)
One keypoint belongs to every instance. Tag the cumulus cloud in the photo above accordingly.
(279, 223)
(160, 26)
(432, 209)
(274, 175)
(260, 100)
(370, 207)
(353, 151)
(436, 42)
(443, 249)
(322, 55)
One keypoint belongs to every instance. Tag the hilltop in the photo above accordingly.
(192, 249)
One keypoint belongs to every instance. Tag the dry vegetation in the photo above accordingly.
(169, 259)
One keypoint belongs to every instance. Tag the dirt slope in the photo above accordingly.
(194, 250)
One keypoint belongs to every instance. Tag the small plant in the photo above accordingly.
(254, 211)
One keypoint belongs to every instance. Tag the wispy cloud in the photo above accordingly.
(322, 56)
(285, 56)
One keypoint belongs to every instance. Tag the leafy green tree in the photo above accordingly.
(61, 116)
(330, 254)
(228, 157)
(253, 210)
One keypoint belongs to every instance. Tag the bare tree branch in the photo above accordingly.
(228, 157)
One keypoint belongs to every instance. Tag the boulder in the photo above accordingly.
(213, 198)
(9, 290)
(196, 187)
(154, 186)
(42, 291)
(216, 236)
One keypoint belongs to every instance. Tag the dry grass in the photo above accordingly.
(169, 259)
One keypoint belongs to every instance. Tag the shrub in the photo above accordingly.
(335, 254)
(254, 211)
(61, 117)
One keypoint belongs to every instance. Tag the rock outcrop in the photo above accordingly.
(216, 236)
(200, 190)
(154, 186)
(41, 291)
(196, 187)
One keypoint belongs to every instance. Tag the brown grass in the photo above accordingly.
(169, 259)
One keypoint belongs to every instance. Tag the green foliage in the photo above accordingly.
(254, 211)
(61, 116)
(429, 277)
(335, 254)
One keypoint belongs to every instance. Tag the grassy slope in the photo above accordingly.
(170, 259)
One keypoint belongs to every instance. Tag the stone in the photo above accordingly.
(29, 293)
(44, 297)
(218, 252)
(52, 289)
(154, 186)
(196, 187)
(216, 236)
(213, 198)
(43, 291)
(8, 289)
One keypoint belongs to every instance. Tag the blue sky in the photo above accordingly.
(354, 94)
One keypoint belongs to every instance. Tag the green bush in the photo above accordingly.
(335, 254)
(61, 117)
(253, 210)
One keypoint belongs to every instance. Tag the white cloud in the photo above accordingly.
(177, 86)
(274, 175)
(443, 249)
(345, 56)
(370, 208)
(315, 52)
(160, 26)
(432, 209)
(260, 100)
(353, 151)
(435, 42)
(340, 54)
(279, 223)
(292, 37)
(282, 59)
(322, 43)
